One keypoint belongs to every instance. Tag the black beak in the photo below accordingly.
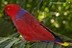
(5, 16)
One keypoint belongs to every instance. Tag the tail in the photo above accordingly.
(57, 39)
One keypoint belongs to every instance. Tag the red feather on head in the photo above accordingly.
(27, 25)
(12, 9)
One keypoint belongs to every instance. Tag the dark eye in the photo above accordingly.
(8, 9)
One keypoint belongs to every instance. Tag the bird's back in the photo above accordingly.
(30, 28)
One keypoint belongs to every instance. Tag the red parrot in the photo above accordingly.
(28, 26)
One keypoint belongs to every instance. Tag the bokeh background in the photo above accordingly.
(54, 14)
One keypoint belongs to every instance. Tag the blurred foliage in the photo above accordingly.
(55, 14)
(14, 41)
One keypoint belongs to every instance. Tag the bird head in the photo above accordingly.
(11, 9)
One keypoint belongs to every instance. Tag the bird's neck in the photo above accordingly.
(19, 14)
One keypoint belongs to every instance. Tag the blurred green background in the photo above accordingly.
(55, 14)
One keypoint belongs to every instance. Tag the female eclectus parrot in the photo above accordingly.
(28, 26)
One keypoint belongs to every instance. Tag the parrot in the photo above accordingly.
(28, 26)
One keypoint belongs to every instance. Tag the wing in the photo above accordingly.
(57, 38)
(31, 29)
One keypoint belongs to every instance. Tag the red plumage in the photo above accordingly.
(31, 29)
(27, 25)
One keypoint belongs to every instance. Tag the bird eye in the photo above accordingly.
(8, 8)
